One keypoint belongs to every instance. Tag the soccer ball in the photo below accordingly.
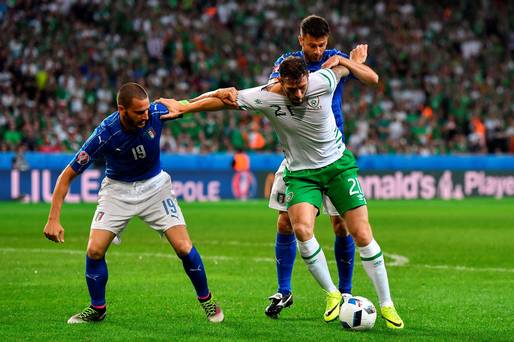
(358, 313)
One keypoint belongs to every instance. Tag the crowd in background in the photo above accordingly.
(446, 70)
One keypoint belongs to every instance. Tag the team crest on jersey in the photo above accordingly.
(258, 101)
(289, 197)
(313, 103)
(83, 158)
(150, 134)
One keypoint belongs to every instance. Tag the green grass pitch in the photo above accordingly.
(450, 266)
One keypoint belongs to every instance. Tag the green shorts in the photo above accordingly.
(337, 180)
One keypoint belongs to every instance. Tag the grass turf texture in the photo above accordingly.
(458, 282)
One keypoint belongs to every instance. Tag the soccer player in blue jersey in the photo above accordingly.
(135, 185)
(313, 38)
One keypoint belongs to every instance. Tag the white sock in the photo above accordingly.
(373, 262)
(316, 262)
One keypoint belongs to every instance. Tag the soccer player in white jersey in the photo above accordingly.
(135, 185)
(313, 39)
(298, 106)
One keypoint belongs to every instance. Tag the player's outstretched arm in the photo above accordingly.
(53, 229)
(178, 108)
(227, 95)
(363, 72)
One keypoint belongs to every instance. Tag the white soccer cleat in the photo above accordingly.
(87, 315)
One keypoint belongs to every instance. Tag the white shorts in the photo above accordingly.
(277, 198)
(152, 200)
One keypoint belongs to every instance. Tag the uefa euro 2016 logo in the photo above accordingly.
(244, 185)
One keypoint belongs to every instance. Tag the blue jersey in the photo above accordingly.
(337, 100)
(129, 156)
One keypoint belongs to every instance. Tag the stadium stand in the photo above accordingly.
(446, 70)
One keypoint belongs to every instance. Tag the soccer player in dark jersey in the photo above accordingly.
(135, 185)
(313, 38)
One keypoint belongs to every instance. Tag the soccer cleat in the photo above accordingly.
(393, 320)
(213, 311)
(88, 315)
(333, 305)
(278, 302)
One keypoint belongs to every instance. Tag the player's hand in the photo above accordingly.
(54, 231)
(359, 53)
(175, 108)
(227, 95)
(331, 62)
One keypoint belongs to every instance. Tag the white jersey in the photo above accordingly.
(308, 132)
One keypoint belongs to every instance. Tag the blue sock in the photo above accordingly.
(344, 249)
(285, 252)
(193, 266)
(96, 278)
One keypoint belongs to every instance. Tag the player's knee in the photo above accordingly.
(95, 252)
(303, 231)
(362, 234)
(284, 224)
(182, 247)
(339, 226)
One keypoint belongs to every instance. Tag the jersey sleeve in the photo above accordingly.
(158, 109)
(276, 67)
(92, 149)
(328, 79)
(246, 99)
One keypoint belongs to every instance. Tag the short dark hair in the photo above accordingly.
(293, 68)
(315, 26)
(128, 91)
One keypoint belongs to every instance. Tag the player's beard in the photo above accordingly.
(133, 124)
(296, 102)
(141, 124)
(137, 123)
(312, 58)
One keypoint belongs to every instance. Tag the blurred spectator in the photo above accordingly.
(509, 133)
(241, 161)
(446, 70)
(168, 143)
(19, 162)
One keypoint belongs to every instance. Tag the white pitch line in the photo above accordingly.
(467, 268)
(236, 243)
(397, 260)
(139, 255)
